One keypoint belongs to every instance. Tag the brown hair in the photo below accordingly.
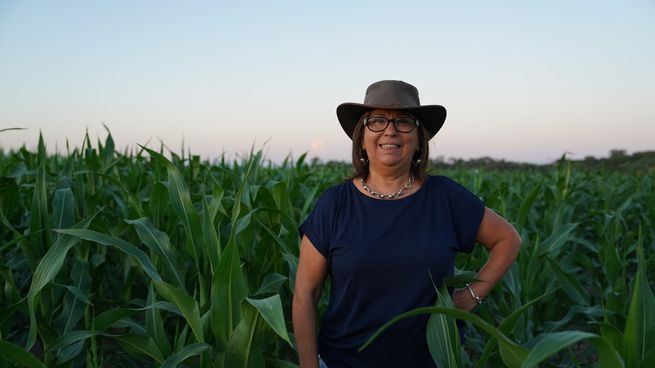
(419, 171)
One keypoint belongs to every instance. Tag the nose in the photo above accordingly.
(391, 129)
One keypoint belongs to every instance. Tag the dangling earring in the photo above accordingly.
(418, 161)
(363, 160)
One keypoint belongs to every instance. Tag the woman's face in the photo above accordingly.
(390, 148)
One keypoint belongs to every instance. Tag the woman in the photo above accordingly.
(386, 236)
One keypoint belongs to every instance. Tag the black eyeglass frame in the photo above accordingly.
(416, 123)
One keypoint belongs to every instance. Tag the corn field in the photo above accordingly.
(134, 259)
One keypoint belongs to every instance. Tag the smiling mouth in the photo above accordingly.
(389, 146)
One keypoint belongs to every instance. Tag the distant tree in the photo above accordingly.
(618, 154)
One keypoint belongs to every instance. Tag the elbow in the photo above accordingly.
(516, 242)
(509, 244)
(306, 297)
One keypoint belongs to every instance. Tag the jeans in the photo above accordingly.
(321, 363)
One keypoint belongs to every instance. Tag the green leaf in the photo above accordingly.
(610, 333)
(236, 209)
(511, 353)
(185, 353)
(271, 284)
(63, 208)
(557, 239)
(211, 236)
(45, 271)
(237, 351)
(506, 326)
(608, 355)
(109, 317)
(71, 338)
(79, 294)
(187, 305)
(283, 247)
(649, 359)
(180, 197)
(228, 288)
(158, 241)
(551, 343)
(639, 335)
(73, 311)
(154, 324)
(271, 311)
(442, 334)
(8, 129)
(15, 354)
(122, 245)
(139, 346)
(571, 286)
(39, 219)
(526, 205)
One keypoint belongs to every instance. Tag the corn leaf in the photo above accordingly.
(271, 284)
(187, 305)
(608, 354)
(570, 284)
(270, 310)
(180, 197)
(15, 354)
(45, 272)
(442, 334)
(639, 335)
(39, 219)
(63, 209)
(505, 327)
(120, 244)
(154, 324)
(107, 318)
(551, 343)
(228, 288)
(526, 206)
(184, 354)
(237, 352)
(140, 346)
(71, 338)
(158, 241)
(512, 354)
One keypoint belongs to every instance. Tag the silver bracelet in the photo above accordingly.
(477, 298)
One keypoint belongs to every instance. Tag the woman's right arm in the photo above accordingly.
(311, 273)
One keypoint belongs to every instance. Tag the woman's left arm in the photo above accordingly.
(503, 243)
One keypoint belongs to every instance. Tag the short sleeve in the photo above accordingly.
(467, 211)
(319, 224)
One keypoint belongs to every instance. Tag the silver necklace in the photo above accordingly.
(395, 195)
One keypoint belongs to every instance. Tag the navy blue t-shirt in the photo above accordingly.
(381, 257)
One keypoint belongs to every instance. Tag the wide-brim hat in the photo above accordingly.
(396, 95)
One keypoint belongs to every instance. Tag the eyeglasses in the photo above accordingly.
(379, 124)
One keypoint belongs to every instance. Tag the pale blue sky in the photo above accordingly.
(524, 81)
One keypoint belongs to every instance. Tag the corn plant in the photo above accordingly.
(151, 258)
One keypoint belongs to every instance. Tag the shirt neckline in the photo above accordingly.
(398, 200)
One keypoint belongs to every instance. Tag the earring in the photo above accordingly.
(418, 161)
(363, 160)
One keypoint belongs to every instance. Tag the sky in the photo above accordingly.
(521, 80)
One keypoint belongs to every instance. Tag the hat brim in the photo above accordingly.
(431, 116)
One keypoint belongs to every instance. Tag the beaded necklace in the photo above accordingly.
(395, 195)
